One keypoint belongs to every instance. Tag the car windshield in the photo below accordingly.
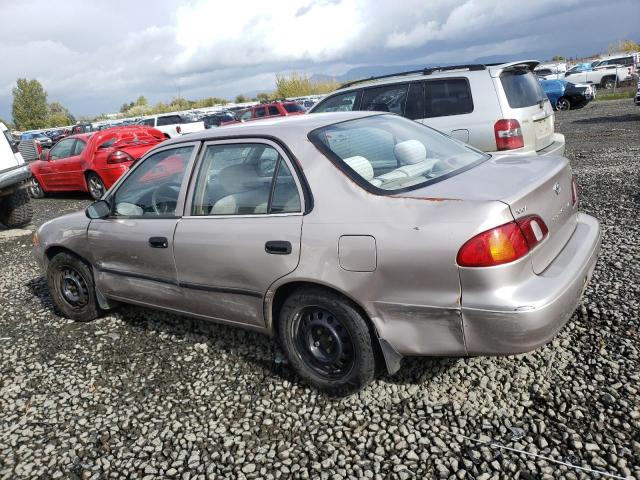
(390, 153)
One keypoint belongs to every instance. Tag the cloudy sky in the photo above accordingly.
(95, 55)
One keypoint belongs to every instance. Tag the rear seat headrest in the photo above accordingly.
(361, 165)
(410, 152)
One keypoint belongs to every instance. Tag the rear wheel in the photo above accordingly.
(327, 341)
(95, 186)
(608, 82)
(16, 209)
(563, 104)
(71, 287)
(35, 189)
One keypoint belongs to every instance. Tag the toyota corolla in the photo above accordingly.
(354, 238)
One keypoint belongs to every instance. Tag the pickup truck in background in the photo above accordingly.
(15, 205)
(173, 125)
(605, 75)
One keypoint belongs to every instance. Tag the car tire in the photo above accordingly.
(327, 341)
(563, 104)
(16, 209)
(608, 83)
(71, 287)
(95, 185)
(35, 189)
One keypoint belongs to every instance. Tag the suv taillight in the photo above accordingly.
(179, 129)
(508, 134)
(574, 190)
(119, 157)
(503, 244)
(38, 147)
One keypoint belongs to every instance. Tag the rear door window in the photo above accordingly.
(390, 98)
(344, 102)
(273, 111)
(448, 97)
(261, 112)
(521, 88)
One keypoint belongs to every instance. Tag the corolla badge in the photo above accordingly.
(556, 188)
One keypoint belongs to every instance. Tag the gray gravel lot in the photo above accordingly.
(142, 394)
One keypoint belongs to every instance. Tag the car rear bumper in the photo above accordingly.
(547, 301)
(14, 176)
(555, 148)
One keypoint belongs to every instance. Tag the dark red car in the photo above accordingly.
(269, 110)
(91, 162)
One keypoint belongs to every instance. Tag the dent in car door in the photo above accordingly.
(133, 249)
(231, 249)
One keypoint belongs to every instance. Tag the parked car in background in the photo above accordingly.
(270, 110)
(636, 99)
(91, 162)
(426, 245)
(15, 205)
(495, 108)
(57, 134)
(173, 125)
(629, 60)
(550, 71)
(564, 95)
(218, 119)
(41, 138)
(605, 75)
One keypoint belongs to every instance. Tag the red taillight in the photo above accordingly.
(119, 157)
(503, 244)
(574, 191)
(179, 129)
(38, 148)
(508, 134)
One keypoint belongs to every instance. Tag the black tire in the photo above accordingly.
(327, 341)
(35, 189)
(563, 104)
(71, 287)
(95, 185)
(16, 209)
(608, 82)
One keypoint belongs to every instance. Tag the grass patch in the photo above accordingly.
(616, 95)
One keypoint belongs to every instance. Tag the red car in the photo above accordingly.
(273, 109)
(91, 162)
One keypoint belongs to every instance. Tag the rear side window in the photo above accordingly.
(273, 111)
(261, 112)
(12, 142)
(344, 102)
(448, 97)
(293, 107)
(414, 108)
(521, 88)
(390, 98)
(169, 120)
(148, 121)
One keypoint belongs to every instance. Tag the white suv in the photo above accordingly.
(495, 108)
(15, 205)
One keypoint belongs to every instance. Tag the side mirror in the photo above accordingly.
(98, 210)
(44, 156)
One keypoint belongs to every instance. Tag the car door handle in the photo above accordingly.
(278, 247)
(158, 242)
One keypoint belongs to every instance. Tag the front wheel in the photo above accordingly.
(327, 341)
(608, 83)
(71, 287)
(95, 186)
(16, 209)
(563, 104)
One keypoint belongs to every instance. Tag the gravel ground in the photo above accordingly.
(142, 394)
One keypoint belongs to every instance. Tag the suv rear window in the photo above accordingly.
(521, 88)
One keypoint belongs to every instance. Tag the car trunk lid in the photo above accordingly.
(529, 185)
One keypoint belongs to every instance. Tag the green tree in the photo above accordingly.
(241, 99)
(59, 116)
(263, 96)
(299, 85)
(29, 105)
(558, 58)
(141, 101)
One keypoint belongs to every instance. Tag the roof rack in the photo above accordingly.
(423, 71)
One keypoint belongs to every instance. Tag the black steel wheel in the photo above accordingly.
(327, 340)
(71, 287)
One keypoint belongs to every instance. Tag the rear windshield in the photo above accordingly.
(388, 153)
(521, 88)
(293, 107)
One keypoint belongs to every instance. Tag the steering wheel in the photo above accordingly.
(165, 198)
